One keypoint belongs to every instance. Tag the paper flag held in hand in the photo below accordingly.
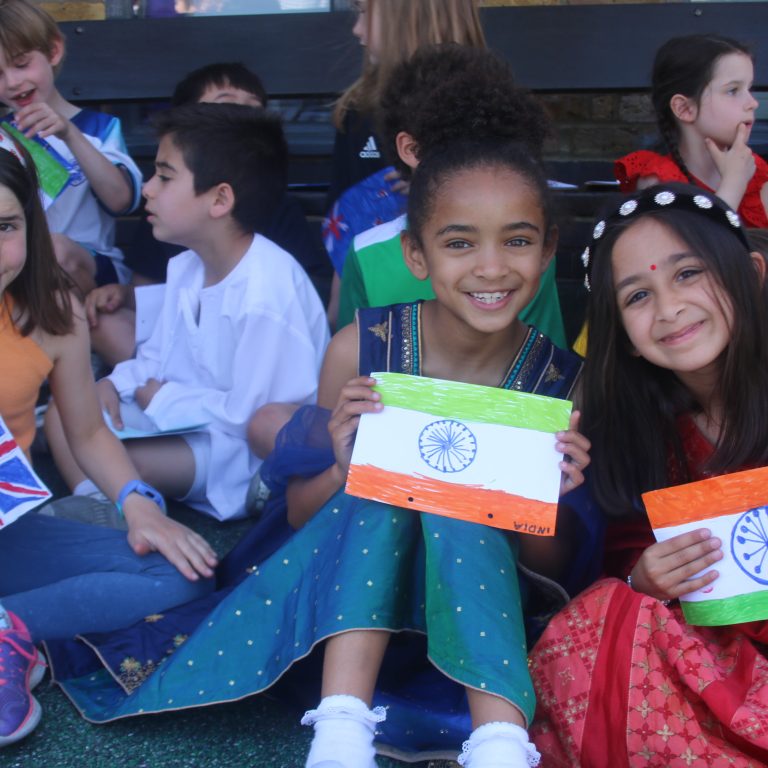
(735, 509)
(481, 454)
(51, 173)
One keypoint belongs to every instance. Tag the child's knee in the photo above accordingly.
(114, 337)
(145, 461)
(71, 255)
(171, 464)
(76, 261)
(264, 425)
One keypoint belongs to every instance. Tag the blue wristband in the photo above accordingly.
(143, 489)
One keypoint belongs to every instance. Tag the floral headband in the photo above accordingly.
(681, 197)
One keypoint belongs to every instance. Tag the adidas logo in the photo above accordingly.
(370, 150)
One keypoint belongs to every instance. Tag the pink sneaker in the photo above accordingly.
(19, 661)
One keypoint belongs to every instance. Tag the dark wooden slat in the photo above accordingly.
(611, 47)
(136, 59)
(551, 48)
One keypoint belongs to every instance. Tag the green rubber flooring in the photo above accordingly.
(254, 732)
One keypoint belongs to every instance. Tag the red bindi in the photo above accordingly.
(653, 266)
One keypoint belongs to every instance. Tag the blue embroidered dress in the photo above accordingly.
(356, 564)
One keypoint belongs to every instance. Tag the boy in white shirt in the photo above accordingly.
(241, 324)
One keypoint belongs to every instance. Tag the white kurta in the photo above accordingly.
(258, 336)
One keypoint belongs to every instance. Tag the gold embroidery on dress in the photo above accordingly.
(380, 330)
(133, 673)
(406, 351)
(512, 365)
(534, 352)
(153, 617)
(552, 374)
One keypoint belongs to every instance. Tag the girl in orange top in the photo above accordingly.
(59, 578)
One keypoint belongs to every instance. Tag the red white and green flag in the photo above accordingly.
(735, 508)
(476, 453)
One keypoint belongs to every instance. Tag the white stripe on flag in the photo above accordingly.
(732, 580)
(518, 461)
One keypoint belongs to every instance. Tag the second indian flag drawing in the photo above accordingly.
(735, 509)
(481, 454)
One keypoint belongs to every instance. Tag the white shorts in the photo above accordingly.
(196, 496)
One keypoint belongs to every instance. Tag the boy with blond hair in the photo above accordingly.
(103, 180)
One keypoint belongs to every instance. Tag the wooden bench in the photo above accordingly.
(132, 63)
(552, 48)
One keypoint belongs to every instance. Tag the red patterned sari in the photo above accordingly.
(624, 682)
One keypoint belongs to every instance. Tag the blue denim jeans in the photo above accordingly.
(63, 578)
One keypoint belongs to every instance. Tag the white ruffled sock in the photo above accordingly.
(344, 731)
(499, 745)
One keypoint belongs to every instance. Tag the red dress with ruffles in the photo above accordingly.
(637, 165)
(624, 682)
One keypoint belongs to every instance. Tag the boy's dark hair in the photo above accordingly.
(457, 156)
(451, 92)
(236, 145)
(685, 65)
(191, 89)
(42, 290)
(630, 407)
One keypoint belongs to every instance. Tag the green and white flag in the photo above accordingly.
(52, 176)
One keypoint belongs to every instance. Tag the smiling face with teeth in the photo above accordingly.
(27, 78)
(484, 245)
(675, 313)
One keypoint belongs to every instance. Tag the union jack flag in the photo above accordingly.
(20, 488)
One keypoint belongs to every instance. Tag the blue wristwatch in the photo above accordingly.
(143, 489)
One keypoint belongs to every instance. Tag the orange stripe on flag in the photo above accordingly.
(465, 502)
(705, 499)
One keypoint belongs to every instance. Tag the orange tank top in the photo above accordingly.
(24, 368)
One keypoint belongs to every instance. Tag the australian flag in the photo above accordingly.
(20, 488)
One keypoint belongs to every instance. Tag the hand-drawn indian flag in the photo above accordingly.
(481, 454)
(735, 508)
(52, 176)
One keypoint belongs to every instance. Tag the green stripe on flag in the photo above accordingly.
(731, 610)
(52, 175)
(472, 402)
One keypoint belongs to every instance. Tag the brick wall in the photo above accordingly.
(600, 126)
(595, 126)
